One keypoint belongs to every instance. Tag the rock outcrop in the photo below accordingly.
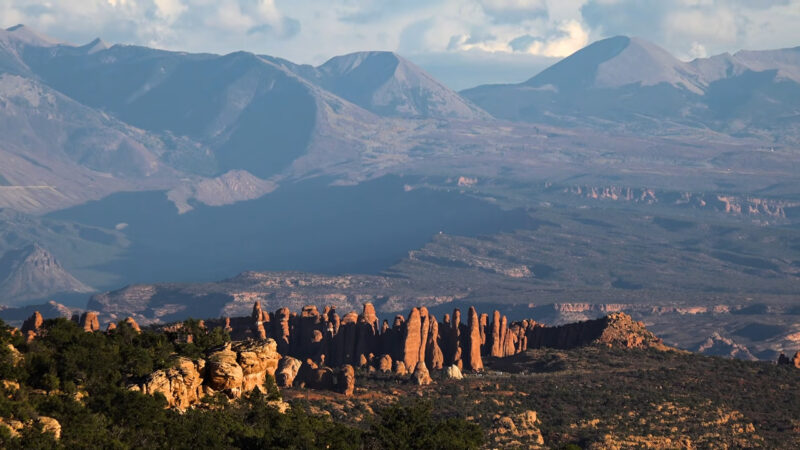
(452, 372)
(132, 323)
(288, 368)
(473, 350)
(89, 322)
(321, 350)
(346, 380)
(421, 376)
(614, 330)
(517, 431)
(31, 325)
(385, 364)
(181, 385)
(233, 369)
(46, 424)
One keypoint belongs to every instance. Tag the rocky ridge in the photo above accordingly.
(321, 350)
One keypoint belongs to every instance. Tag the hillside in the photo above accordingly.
(639, 87)
(142, 387)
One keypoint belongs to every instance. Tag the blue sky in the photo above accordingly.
(462, 42)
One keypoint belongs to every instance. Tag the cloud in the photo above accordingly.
(514, 11)
(685, 26)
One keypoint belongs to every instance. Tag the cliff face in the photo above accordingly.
(614, 330)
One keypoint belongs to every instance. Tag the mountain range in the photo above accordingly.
(124, 164)
(633, 84)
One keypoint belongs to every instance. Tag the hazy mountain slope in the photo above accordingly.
(32, 273)
(83, 250)
(253, 114)
(389, 85)
(57, 152)
(616, 62)
(636, 86)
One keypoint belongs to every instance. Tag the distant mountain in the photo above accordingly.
(631, 84)
(389, 85)
(386, 84)
(614, 63)
(33, 273)
(80, 248)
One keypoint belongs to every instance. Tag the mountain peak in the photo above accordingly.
(95, 46)
(390, 85)
(615, 62)
(32, 273)
(28, 36)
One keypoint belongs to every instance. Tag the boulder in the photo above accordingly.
(796, 360)
(400, 368)
(517, 429)
(421, 375)
(13, 426)
(224, 372)
(452, 372)
(385, 364)
(288, 368)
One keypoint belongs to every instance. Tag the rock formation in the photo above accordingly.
(385, 364)
(288, 368)
(133, 324)
(614, 330)
(89, 322)
(473, 339)
(518, 431)
(400, 368)
(47, 425)
(233, 369)
(31, 325)
(421, 375)
(346, 380)
(412, 339)
(330, 347)
(434, 357)
(181, 385)
(452, 372)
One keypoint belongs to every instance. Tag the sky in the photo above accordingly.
(462, 42)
